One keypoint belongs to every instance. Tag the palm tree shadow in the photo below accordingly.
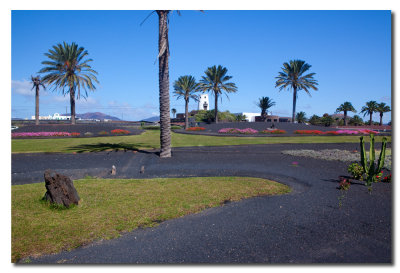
(101, 147)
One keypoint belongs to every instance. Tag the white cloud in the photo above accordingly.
(23, 87)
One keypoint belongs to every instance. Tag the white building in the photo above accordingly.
(56, 116)
(250, 117)
(203, 102)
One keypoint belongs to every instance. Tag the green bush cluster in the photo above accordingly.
(208, 116)
(151, 127)
(356, 171)
(327, 120)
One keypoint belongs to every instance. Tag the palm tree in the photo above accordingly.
(301, 117)
(382, 108)
(186, 87)
(292, 77)
(36, 83)
(345, 107)
(265, 103)
(369, 109)
(216, 81)
(240, 117)
(163, 83)
(66, 70)
(173, 110)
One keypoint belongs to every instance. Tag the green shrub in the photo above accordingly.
(151, 127)
(356, 171)
(176, 127)
(103, 133)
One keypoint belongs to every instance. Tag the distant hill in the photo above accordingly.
(152, 119)
(95, 115)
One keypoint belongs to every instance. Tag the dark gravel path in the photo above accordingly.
(306, 226)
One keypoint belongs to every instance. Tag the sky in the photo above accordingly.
(350, 52)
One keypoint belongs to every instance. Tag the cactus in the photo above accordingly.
(369, 167)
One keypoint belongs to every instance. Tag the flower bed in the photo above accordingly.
(276, 131)
(331, 133)
(43, 134)
(120, 132)
(308, 132)
(195, 129)
(247, 131)
(336, 133)
(356, 132)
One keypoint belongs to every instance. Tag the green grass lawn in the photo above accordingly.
(151, 140)
(111, 206)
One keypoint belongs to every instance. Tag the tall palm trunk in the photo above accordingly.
(72, 102)
(37, 106)
(216, 107)
(370, 119)
(186, 113)
(294, 103)
(263, 115)
(380, 121)
(345, 118)
(163, 81)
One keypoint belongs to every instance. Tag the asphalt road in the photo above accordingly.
(304, 227)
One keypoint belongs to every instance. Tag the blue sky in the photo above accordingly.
(350, 52)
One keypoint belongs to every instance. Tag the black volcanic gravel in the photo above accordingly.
(303, 227)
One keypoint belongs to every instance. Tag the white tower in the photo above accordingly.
(203, 102)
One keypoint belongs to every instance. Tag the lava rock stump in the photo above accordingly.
(60, 189)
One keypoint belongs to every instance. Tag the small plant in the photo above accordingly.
(75, 134)
(344, 186)
(369, 167)
(88, 134)
(379, 177)
(356, 171)
(387, 179)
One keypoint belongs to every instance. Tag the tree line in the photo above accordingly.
(68, 69)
